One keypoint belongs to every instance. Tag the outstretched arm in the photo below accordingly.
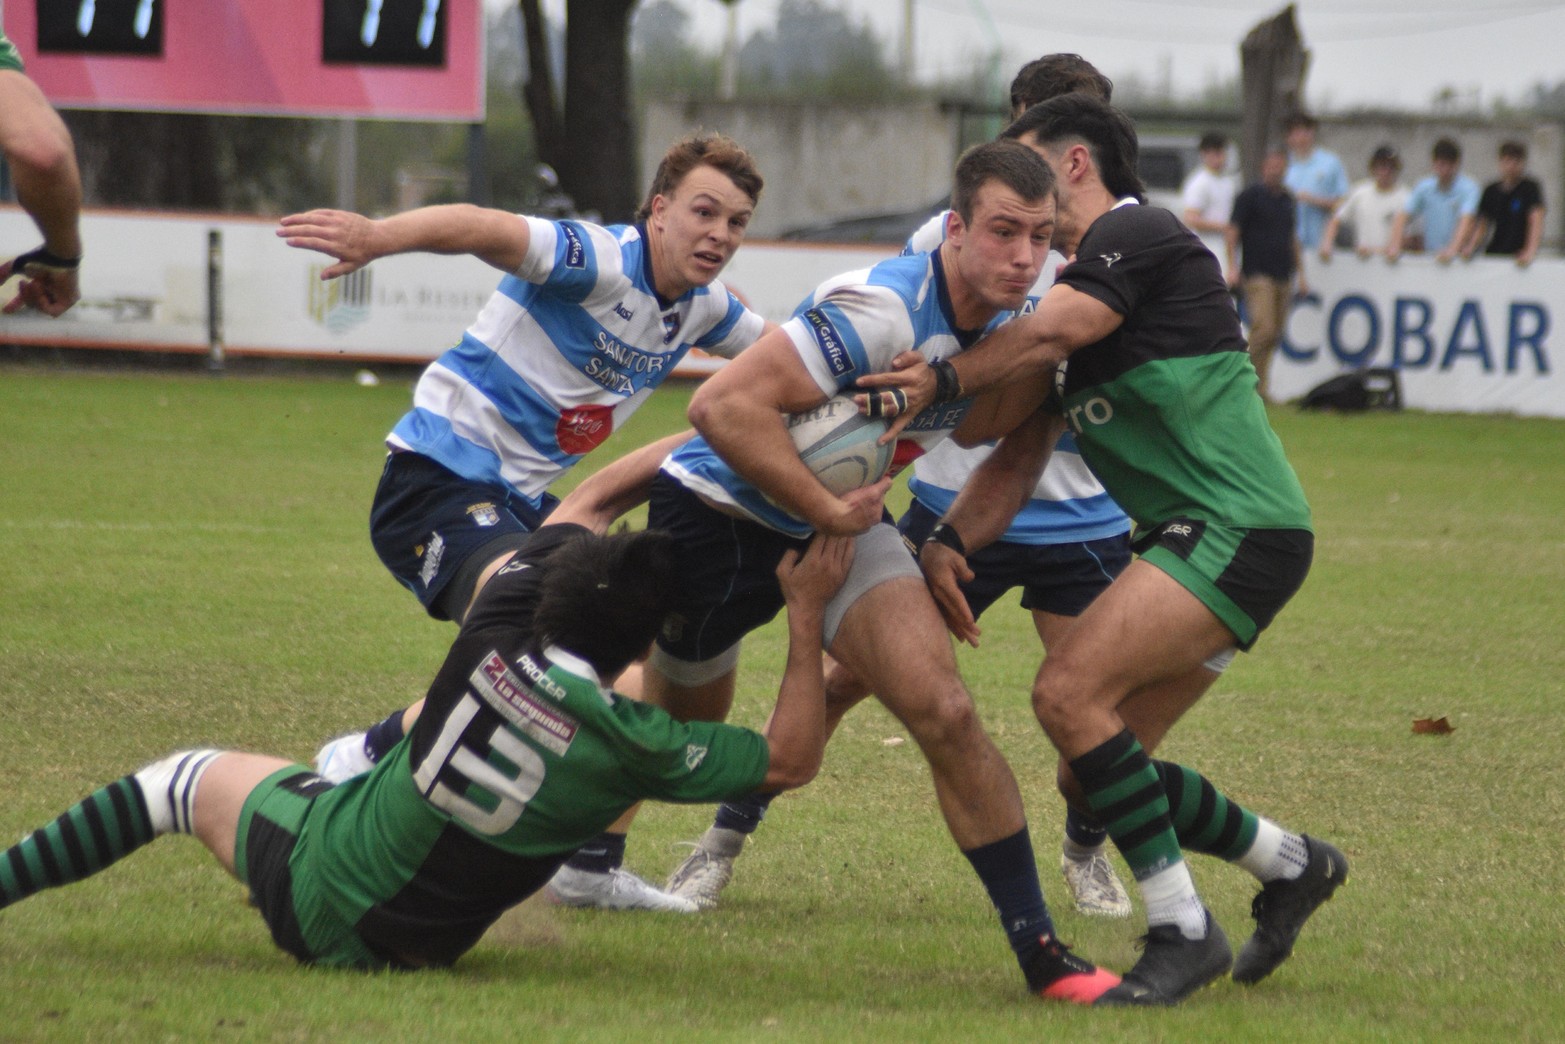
(38, 148)
(496, 237)
(796, 732)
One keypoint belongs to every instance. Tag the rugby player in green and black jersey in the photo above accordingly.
(1138, 346)
(520, 755)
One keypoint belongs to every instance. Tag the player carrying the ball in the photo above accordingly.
(739, 497)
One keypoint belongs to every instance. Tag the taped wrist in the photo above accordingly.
(948, 385)
(946, 534)
(44, 257)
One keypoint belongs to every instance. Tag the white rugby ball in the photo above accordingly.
(838, 443)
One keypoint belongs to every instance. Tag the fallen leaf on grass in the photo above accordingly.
(1433, 726)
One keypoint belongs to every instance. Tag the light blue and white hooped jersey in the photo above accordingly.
(564, 351)
(852, 325)
(1069, 504)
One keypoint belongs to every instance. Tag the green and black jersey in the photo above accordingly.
(1165, 408)
(518, 758)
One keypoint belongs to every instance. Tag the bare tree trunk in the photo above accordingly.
(590, 142)
(1272, 62)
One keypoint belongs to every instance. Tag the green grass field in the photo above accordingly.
(186, 562)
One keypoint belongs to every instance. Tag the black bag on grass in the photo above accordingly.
(1373, 388)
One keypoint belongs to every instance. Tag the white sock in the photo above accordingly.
(721, 842)
(169, 788)
(1171, 898)
(1275, 854)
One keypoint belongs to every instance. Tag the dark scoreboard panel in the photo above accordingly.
(384, 32)
(131, 27)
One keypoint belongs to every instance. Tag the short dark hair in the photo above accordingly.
(1446, 149)
(1301, 119)
(1513, 149)
(1057, 74)
(1105, 130)
(605, 598)
(713, 150)
(1211, 141)
(1011, 163)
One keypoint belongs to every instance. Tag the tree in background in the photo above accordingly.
(816, 51)
(582, 125)
(244, 164)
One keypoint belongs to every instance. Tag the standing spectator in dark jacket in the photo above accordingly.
(1264, 258)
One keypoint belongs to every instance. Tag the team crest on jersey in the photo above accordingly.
(582, 429)
(694, 755)
(672, 322)
(484, 514)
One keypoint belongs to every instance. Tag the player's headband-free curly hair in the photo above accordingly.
(1106, 131)
(717, 151)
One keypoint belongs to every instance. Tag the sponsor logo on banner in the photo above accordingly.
(342, 303)
(583, 428)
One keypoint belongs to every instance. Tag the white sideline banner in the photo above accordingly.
(1468, 337)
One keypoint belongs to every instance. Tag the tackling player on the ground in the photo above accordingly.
(406, 866)
(1140, 343)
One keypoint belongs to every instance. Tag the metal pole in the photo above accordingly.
(347, 163)
(214, 299)
(477, 166)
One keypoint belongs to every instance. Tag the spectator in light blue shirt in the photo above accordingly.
(1446, 201)
(1316, 177)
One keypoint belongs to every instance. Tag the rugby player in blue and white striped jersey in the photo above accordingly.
(586, 322)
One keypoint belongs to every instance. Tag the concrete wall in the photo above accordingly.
(823, 162)
(820, 161)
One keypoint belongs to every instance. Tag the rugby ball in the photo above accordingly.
(838, 444)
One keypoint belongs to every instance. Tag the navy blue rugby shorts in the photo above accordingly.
(436, 530)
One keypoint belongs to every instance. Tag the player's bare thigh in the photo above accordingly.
(1145, 628)
(894, 643)
(221, 794)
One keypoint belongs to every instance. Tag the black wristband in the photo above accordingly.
(42, 256)
(946, 534)
(948, 385)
